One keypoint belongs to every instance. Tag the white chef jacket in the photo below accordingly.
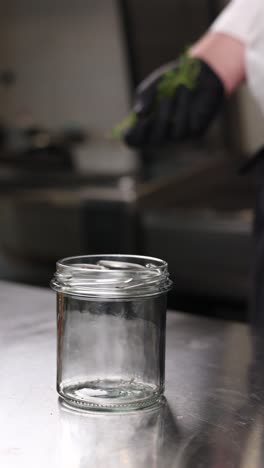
(244, 20)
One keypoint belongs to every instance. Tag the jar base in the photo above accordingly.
(110, 395)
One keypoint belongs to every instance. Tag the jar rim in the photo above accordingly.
(111, 275)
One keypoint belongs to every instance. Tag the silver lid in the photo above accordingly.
(111, 276)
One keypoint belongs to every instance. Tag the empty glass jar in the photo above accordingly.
(111, 315)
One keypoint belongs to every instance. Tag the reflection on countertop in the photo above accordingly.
(114, 440)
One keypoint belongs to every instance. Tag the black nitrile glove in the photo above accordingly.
(176, 102)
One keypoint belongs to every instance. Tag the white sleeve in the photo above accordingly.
(244, 20)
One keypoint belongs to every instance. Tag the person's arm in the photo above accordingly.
(243, 20)
(236, 30)
(225, 55)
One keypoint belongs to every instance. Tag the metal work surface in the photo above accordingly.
(212, 416)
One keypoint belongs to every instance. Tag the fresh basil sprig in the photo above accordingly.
(185, 74)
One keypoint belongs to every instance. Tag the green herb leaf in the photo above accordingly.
(185, 75)
(119, 130)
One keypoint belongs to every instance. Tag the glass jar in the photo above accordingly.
(111, 316)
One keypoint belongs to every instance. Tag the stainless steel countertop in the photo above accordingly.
(212, 416)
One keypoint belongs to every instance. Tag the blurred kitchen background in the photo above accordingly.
(68, 70)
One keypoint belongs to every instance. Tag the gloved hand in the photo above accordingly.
(176, 102)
